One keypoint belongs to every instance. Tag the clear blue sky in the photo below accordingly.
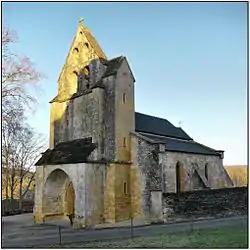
(189, 60)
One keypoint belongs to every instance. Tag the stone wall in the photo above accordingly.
(124, 111)
(88, 183)
(122, 192)
(154, 169)
(78, 118)
(217, 176)
(109, 115)
(202, 204)
(117, 192)
(12, 207)
(148, 172)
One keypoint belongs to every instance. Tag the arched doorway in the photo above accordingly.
(58, 195)
(69, 201)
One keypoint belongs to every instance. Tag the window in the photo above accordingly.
(178, 177)
(75, 76)
(76, 50)
(123, 97)
(86, 45)
(86, 71)
(206, 171)
(125, 190)
(124, 142)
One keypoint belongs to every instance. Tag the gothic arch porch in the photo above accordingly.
(58, 195)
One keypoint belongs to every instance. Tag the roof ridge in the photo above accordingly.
(161, 118)
(115, 58)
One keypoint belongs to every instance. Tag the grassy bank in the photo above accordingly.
(226, 237)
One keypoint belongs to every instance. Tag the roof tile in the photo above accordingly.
(159, 126)
(75, 151)
(186, 146)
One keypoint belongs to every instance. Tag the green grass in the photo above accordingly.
(227, 237)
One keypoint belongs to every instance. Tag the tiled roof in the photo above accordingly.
(75, 151)
(159, 126)
(185, 146)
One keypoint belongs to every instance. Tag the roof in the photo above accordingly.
(75, 151)
(184, 146)
(158, 126)
(112, 66)
(93, 42)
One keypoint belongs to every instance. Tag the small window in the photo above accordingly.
(178, 177)
(124, 98)
(125, 189)
(76, 50)
(86, 71)
(86, 45)
(206, 171)
(124, 142)
(80, 32)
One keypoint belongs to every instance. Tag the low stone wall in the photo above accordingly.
(203, 204)
(11, 207)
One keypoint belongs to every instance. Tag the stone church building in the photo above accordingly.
(107, 163)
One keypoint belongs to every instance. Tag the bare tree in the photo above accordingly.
(31, 144)
(21, 147)
(17, 74)
(10, 132)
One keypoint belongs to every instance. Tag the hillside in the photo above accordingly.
(238, 174)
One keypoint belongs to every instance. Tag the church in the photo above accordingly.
(106, 162)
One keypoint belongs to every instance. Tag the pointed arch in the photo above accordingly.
(58, 194)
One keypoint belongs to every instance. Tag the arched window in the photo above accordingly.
(76, 54)
(178, 177)
(125, 188)
(86, 45)
(206, 171)
(86, 71)
(124, 98)
(74, 79)
(76, 50)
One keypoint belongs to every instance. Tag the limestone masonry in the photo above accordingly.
(107, 163)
